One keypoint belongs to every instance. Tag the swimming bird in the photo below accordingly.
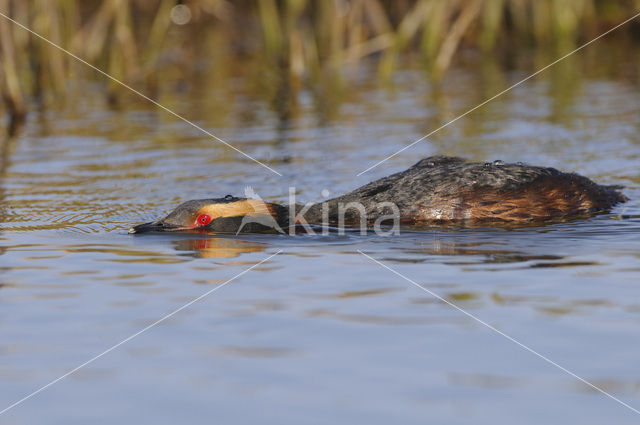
(437, 190)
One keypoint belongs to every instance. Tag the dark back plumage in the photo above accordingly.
(441, 188)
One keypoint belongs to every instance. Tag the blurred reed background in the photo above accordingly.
(286, 44)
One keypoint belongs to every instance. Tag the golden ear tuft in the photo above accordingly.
(251, 207)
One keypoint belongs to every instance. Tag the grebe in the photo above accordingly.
(436, 190)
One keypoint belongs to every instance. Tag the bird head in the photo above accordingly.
(211, 215)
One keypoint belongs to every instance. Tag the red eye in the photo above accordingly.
(203, 220)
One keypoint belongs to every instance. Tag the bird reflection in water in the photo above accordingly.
(217, 247)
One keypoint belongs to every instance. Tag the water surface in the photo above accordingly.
(319, 333)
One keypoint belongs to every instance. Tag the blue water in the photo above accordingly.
(319, 333)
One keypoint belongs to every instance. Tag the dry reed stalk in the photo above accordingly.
(454, 36)
(11, 90)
